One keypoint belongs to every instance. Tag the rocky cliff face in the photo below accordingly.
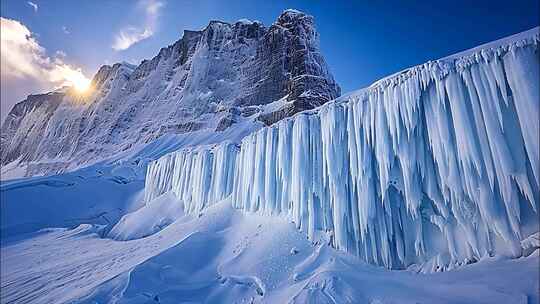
(210, 80)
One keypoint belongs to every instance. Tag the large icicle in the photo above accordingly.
(440, 162)
(199, 176)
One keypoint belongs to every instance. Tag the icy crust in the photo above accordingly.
(199, 176)
(438, 165)
(460, 61)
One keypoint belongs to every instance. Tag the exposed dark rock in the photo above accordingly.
(273, 117)
(249, 111)
(225, 123)
(181, 128)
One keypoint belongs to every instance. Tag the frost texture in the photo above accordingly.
(438, 163)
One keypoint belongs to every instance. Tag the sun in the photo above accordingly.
(76, 79)
(81, 84)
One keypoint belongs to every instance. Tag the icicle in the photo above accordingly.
(440, 160)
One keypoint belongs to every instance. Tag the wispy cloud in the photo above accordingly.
(25, 63)
(33, 5)
(130, 35)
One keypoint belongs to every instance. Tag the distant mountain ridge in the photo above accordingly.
(223, 76)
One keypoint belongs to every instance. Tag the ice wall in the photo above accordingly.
(198, 176)
(437, 165)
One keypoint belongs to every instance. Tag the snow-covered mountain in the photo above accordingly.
(422, 188)
(224, 76)
(436, 166)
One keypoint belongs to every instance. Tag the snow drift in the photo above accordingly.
(437, 165)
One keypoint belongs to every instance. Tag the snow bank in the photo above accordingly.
(97, 195)
(149, 219)
(224, 257)
(439, 160)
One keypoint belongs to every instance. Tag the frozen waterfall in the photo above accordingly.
(438, 165)
(198, 176)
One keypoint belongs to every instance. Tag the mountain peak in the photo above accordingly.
(292, 12)
(222, 78)
(292, 16)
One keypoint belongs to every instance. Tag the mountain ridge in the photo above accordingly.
(208, 80)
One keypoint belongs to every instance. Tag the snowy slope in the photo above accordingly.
(435, 167)
(225, 256)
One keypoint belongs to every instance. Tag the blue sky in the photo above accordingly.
(362, 41)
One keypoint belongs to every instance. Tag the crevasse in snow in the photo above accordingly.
(440, 162)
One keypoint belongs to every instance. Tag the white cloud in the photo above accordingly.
(22, 56)
(131, 34)
(152, 7)
(33, 5)
(26, 67)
